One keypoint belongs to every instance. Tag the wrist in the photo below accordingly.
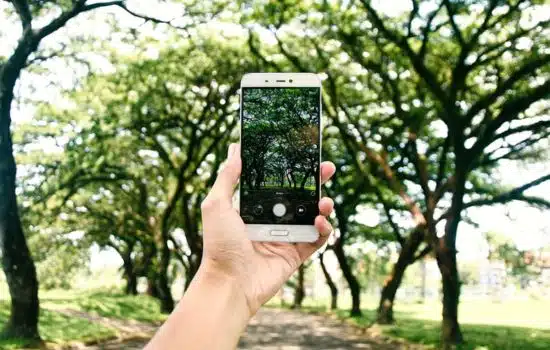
(212, 278)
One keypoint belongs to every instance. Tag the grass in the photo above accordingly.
(107, 304)
(128, 307)
(57, 328)
(485, 325)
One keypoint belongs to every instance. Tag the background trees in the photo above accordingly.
(451, 95)
(17, 262)
(280, 147)
(424, 108)
(133, 152)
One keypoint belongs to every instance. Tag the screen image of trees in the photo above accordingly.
(280, 139)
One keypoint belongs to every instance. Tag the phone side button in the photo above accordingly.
(278, 233)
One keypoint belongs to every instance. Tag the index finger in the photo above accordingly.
(228, 177)
(327, 171)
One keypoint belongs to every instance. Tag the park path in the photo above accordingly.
(276, 329)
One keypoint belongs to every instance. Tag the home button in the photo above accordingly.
(278, 233)
(279, 209)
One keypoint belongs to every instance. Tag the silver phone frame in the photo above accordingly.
(296, 233)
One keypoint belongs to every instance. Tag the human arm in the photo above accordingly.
(236, 275)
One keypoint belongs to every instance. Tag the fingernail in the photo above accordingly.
(230, 150)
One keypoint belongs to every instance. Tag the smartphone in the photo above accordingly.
(280, 184)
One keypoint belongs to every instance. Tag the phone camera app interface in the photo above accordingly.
(280, 155)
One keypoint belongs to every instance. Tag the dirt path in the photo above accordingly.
(274, 329)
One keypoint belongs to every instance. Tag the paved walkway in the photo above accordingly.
(274, 329)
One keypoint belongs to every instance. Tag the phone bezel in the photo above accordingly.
(296, 233)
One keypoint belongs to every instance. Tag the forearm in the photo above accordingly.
(211, 315)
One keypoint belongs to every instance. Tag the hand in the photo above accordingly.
(259, 269)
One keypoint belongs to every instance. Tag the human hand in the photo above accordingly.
(257, 269)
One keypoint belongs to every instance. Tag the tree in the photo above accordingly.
(153, 137)
(330, 282)
(17, 262)
(299, 288)
(500, 114)
(345, 188)
(430, 102)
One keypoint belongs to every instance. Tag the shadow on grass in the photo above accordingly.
(427, 332)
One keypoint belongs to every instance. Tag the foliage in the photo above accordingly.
(144, 145)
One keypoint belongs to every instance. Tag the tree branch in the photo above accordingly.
(426, 33)
(392, 223)
(148, 18)
(78, 7)
(412, 15)
(443, 161)
(527, 70)
(534, 127)
(515, 194)
(163, 154)
(508, 112)
(420, 168)
(423, 71)
(422, 254)
(42, 58)
(24, 12)
(456, 30)
(483, 27)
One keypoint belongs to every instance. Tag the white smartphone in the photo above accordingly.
(280, 184)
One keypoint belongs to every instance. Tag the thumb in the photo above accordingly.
(229, 176)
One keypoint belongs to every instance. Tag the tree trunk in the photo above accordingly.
(446, 261)
(450, 331)
(304, 180)
(130, 276)
(354, 286)
(299, 291)
(330, 283)
(17, 261)
(162, 281)
(392, 283)
(152, 286)
(131, 285)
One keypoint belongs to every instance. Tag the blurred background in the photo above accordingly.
(115, 117)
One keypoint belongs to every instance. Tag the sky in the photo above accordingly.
(529, 228)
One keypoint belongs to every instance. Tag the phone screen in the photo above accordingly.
(280, 148)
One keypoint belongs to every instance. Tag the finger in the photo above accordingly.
(326, 205)
(323, 226)
(305, 250)
(327, 170)
(228, 178)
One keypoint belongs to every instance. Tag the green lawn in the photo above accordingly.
(60, 329)
(140, 308)
(485, 325)
(57, 328)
